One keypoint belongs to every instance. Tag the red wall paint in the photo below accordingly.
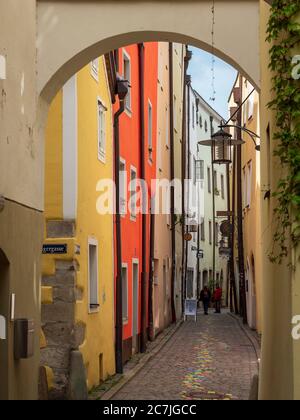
(130, 152)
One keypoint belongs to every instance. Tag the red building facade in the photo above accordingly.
(138, 136)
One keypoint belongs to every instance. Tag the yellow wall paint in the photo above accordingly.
(89, 224)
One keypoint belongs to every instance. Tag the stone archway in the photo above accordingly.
(72, 33)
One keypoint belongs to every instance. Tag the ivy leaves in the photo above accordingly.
(284, 34)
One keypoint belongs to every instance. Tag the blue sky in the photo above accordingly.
(225, 75)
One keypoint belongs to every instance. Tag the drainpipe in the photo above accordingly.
(141, 50)
(240, 217)
(214, 207)
(188, 83)
(122, 90)
(151, 275)
(183, 172)
(172, 165)
(232, 237)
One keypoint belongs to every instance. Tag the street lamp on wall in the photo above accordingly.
(222, 144)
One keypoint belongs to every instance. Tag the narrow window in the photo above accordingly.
(210, 233)
(217, 234)
(123, 183)
(203, 231)
(125, 293)
(101, 131)
(93, 275)
(127, 76)
(222, 187)
(133, 193)
(209, 179)
(95, 69)
(150, 130)
(249, 184)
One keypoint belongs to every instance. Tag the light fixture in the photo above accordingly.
(221, 144)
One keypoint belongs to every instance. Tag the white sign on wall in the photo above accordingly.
(2, 328)
(2, 67)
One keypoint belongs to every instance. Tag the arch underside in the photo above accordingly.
(72, 33)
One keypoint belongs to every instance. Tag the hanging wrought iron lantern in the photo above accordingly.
(221, 144)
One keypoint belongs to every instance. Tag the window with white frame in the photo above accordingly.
(209, 179)
(203, 230)
(222, 187)
(95, 69)
(133, 187)
(125, 293)
(127, 76)
(93, 275)
(249, 183)
(150, 130)
(199, 170)
(101, 131)
(123, 182)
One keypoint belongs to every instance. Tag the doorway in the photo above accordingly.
(135, 303)
(4, 312)
(190, 283)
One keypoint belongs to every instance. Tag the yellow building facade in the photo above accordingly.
(78, 283)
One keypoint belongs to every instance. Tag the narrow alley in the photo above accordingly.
(211, 359)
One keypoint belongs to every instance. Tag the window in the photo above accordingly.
(222, 187)
(216, 182)
(217, 234)
(195, 170)
(202, 231)
(127, 76)
(123, 182)
(101, 131)
(150, 130)
(249, 184)
(244, 188)
(199, 170)
(206, 126)
(200, 121)
(133, 185)
(93, 275)
(125, 293)
(95, 69)
(209, 179)
(210, 233)
(175, 113)
(193, 115)
(167, 126)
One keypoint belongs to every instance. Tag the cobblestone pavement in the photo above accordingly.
(210, 359)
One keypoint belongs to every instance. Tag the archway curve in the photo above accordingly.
(71, 34)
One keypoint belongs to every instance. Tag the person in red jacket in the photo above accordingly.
(218, 298)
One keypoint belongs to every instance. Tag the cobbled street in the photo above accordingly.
(210, 359)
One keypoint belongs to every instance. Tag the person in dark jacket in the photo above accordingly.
(205, 297)
(218, 299)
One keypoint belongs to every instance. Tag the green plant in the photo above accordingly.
(284, 34)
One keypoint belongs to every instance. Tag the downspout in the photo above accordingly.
(232, 235)
(141, 50)
(240, 217)
(151, 274)
(214, 207)
(119, 291)
(188, 83)
(183, 175)
(172, 170)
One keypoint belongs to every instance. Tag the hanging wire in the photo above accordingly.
(213, 58)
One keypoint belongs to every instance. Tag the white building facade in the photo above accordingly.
(205, 267)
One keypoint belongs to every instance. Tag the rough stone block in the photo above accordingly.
(59, 334)
(61, 229)
(77, 390)
(58, 312)
(64, 294)
(56, 358)
(79, 335)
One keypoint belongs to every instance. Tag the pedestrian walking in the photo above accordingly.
(205, 297)
(218, 298)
